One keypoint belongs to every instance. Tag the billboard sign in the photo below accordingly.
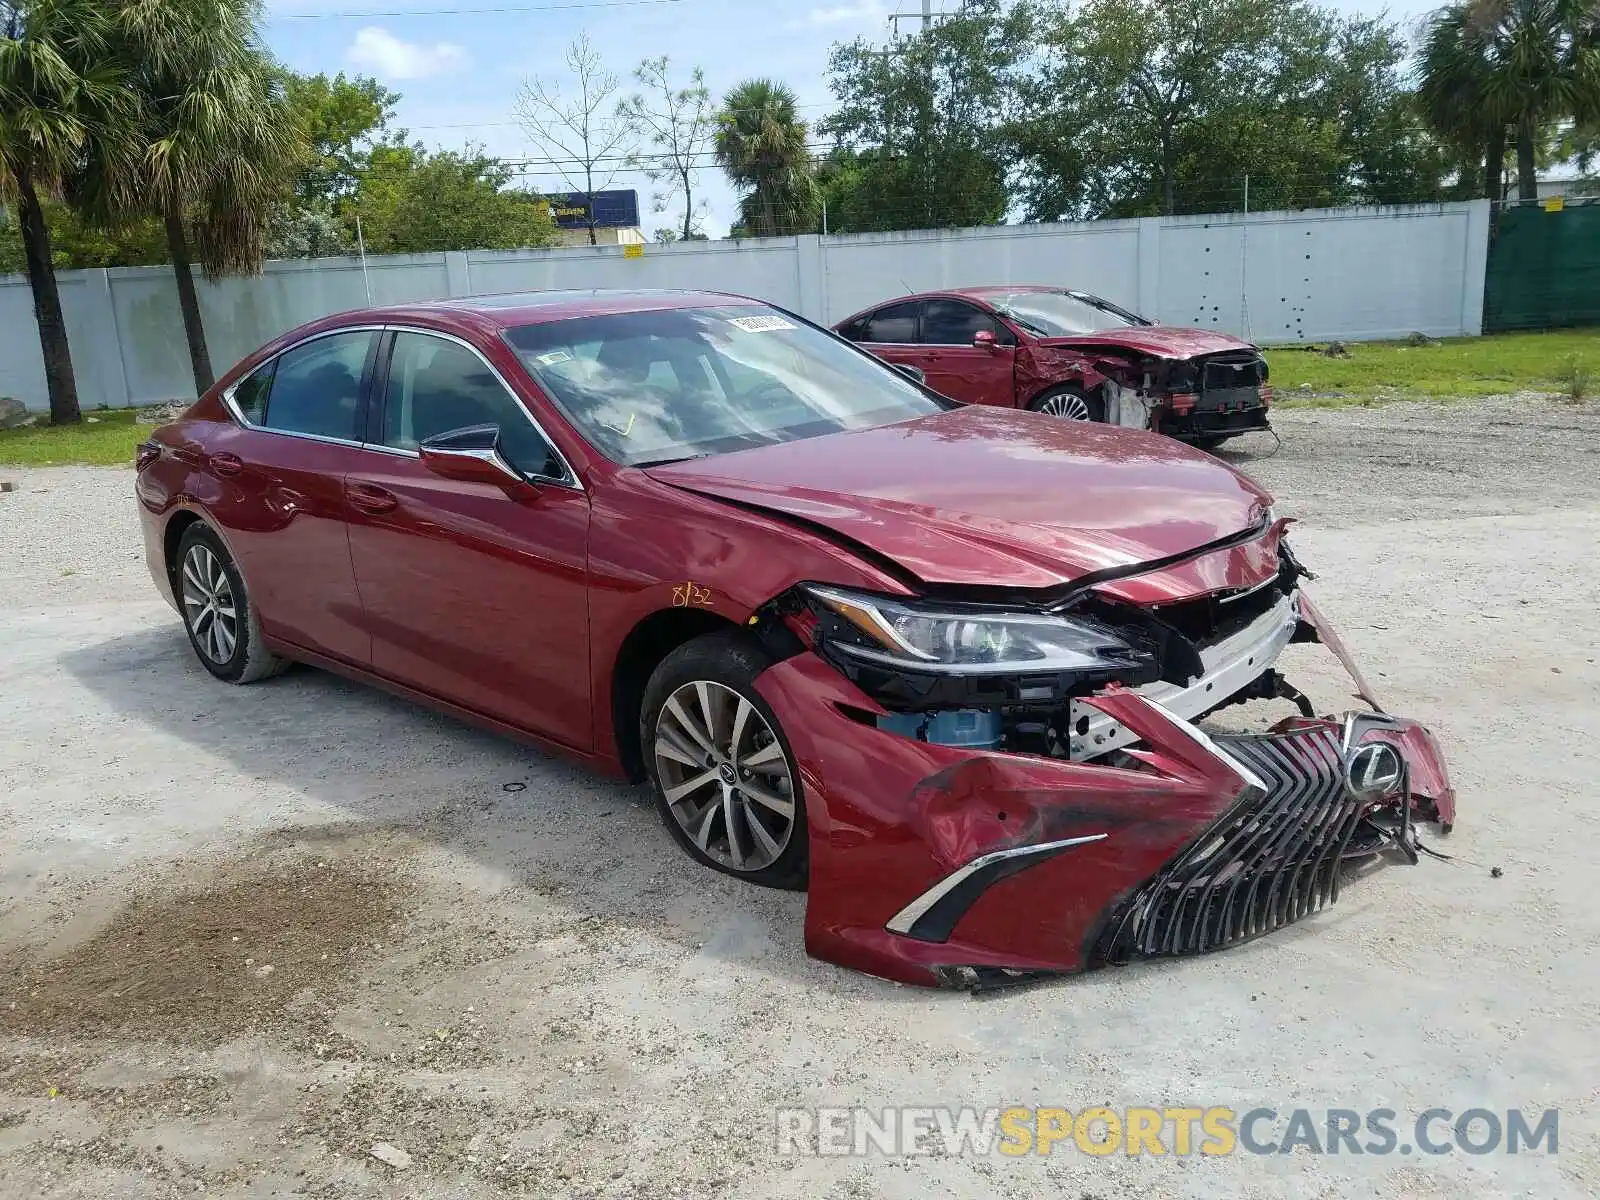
(612, 210)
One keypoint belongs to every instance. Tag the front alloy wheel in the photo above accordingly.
(725, 779)
(1068, 403)
(1069, 406)
(724, 776)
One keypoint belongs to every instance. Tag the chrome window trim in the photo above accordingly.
(238, 415)
(569, 478)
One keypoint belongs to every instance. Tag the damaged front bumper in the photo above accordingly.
(939, 865)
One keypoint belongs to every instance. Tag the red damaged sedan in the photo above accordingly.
(1072, 355)
(949, 667)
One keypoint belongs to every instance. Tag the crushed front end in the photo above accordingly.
(1203, 399)
(1001, 787)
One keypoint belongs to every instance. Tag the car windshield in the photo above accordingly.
(1063, 314)
(653, 387)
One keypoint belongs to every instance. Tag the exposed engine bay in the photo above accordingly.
(1193, 657)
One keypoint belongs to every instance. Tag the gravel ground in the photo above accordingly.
(247, 934)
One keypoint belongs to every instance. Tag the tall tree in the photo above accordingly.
(929, 110)
(679, 123)
(60, 96)
(582, 129)
(411, 201)
(761, 143)
(343, 119)
(221, 145)
(1453, 80)
(1521, 65)
(1147, 107)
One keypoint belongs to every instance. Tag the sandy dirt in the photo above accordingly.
(247, 934)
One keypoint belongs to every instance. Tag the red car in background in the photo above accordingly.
(944, 665)
(1072, 355)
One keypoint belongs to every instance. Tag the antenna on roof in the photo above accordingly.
(361, 245)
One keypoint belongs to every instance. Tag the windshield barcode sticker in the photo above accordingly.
(762, 324)
(554, 359)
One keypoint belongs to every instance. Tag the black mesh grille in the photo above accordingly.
(1268, 861)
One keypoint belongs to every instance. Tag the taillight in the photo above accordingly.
(1183, 402)
(145, 454)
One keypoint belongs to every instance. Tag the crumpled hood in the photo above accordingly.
(1158, 341)
(993, 497)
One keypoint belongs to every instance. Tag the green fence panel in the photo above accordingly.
(1544, 268)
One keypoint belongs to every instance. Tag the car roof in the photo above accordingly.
(982, 292)
(508, 309)
(985, 290)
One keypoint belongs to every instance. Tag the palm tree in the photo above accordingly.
(220, 142)
(761, 144)
(1453, 85)
(59, 97)
(1490, 65)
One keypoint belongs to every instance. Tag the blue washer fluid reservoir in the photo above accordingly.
(968, 727)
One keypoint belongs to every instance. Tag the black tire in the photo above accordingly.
(1210, 443)
(1069, 395)
(724, 663)
(233, 653)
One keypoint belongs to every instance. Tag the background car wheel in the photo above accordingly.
(724, 776)
(1070, 404)
(217, 613)
(1209, 443)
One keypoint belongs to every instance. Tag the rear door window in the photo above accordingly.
(314, 388)
(250, 393)
(895, 324)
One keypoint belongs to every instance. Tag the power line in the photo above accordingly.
(526, 9)
(518, 124)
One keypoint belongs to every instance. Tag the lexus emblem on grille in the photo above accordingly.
(1375, 769)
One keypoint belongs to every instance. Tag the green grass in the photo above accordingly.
(108, 442)
(1452, 368)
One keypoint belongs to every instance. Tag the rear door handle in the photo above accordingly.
(227, 464)
(370, 498)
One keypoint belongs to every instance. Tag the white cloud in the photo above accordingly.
(379, 51)
(860, 12)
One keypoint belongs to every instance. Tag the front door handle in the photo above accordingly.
(227, 464)
(370, 498)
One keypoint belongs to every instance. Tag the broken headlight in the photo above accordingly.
(947, 639)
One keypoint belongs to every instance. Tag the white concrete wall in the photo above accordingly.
(1275, 277)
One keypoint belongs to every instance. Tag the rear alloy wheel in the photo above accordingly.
(216, 609)
(725, 780)
(1069, 404)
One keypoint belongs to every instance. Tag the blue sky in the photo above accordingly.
(459, 70)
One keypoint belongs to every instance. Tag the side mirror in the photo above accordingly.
(471, 455)
(915, 374)
(984, 339)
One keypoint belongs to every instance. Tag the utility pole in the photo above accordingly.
(927, 15)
